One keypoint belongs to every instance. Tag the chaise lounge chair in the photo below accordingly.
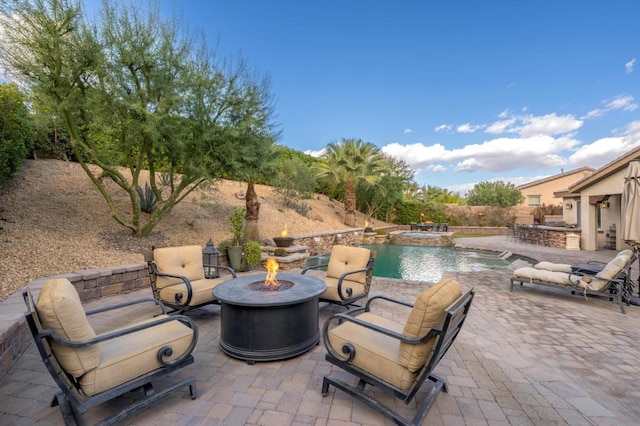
(613, 279)
(397, 358)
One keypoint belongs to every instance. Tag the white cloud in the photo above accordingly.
(468, 128)
(496, 155)
(444, 128)
(501, 126)
(623, 102)
(550, 124)
(319, 153)
(604, 150)
(407, 130)
(628, 67)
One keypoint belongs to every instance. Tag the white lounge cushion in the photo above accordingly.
(555, 267)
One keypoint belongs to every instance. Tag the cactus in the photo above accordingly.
(147, 198)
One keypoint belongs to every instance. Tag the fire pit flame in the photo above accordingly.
(272, 270)
(284, 232)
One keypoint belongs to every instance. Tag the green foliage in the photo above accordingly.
(252, 253)
(15, 131)
(137, 90)
(304, 209)
(224, 245)
(428, 193)
(294, 181)
(352, 163)
(147, 198)
(494, 194)
(279, 252)
(236, 220)
(412, 211)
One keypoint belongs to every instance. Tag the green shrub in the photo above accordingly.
(15, 131)
(224, 245)
(236, 220)
(304, 209)
(279, 252)
(252, 253)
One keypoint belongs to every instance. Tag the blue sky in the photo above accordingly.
(464, 91)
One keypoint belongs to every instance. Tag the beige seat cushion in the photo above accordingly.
(375, 352)
(59, 308)
(185, 261)
(427, 312)
(202, 292)
(348, 259)
(127, 357)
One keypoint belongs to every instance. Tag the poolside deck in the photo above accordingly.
(530, 357)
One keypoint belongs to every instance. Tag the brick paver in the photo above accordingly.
(528, 357)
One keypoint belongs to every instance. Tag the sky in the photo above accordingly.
(463, 91)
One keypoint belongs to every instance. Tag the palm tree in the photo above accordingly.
(351, 162)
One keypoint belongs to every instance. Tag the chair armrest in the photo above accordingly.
(130, 303)
(349, 350)
(304, 270)
(186, 281)
(163, 352)
(227, 268)
(349, 290)
(367, 306)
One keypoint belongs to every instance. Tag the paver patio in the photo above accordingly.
(530, 357)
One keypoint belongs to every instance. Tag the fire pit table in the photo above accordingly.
(261, 323)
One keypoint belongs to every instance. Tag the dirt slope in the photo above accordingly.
(53, 220)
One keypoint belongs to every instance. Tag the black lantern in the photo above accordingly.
(210, 260)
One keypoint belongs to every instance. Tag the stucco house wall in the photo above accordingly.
(547, 187)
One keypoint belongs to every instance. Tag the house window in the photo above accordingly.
(533, 200)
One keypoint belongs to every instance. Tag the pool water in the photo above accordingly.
(418, 263)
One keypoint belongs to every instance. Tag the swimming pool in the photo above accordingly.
(418, 263)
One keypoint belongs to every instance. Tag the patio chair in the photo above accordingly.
(177, 277)
(397, 358)
(348, 275)
(91, 369)
(613, 279)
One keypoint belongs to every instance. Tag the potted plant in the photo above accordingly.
(252, 253)
(234, 251)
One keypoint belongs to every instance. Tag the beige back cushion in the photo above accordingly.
(348, 259)
(59, 308)
(610, 271)
(427, 312)
(185, 261)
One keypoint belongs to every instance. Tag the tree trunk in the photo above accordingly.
(350, 203)
(252, 229)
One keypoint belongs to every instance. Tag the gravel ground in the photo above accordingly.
(53, 220)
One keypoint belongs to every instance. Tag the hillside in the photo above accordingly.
(53, 221)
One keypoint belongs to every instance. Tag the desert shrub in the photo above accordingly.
(294, 181)
(147, 198)
(224, 245)
(304, 209)
(279, 252)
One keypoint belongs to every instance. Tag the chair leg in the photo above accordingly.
(423, 408)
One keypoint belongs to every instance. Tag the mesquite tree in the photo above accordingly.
(133, 90)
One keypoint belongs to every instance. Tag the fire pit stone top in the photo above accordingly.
(238, 291)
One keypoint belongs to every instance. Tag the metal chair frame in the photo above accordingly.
(72, 401)
(455, 316)
(346, 298)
